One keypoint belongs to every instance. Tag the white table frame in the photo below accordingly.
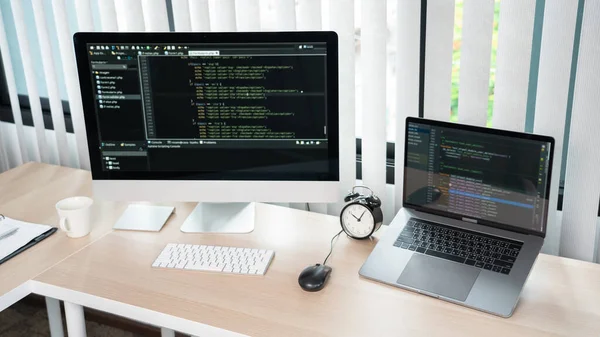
(75, 301)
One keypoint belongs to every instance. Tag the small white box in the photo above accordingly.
(144, 217)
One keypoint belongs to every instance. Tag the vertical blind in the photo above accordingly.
(582, 182)
(513, 62)
(475, 62)
(552, 100)
(362, 27)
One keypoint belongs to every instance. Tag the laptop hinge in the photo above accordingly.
(469, 220)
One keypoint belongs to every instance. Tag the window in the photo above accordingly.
(269, 21)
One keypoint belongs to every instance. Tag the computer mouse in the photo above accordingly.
(314, 278)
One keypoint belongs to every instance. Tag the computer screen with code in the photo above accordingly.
(251, 109)
(477, 175)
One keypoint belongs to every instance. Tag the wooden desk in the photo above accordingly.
(561, 298)
(29, 193)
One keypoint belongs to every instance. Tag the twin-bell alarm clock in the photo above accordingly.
(362, 216)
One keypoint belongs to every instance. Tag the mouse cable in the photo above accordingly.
(331, 245)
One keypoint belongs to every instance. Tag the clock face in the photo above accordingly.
(357, 220)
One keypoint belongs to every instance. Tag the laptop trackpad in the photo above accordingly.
(440, 277)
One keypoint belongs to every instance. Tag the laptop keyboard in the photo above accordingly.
(459, 245)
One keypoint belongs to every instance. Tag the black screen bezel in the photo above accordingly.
(512, 134)
(81, 40)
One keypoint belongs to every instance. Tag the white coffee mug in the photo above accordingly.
(75, 216)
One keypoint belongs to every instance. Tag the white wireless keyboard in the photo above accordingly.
(233, 260)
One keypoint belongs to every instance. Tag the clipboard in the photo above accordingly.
(28, 245)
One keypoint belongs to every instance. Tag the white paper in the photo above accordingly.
(26, 232)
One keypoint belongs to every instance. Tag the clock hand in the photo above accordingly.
(354, 216)
(363, 213)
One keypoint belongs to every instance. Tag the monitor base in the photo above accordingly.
(233, 218)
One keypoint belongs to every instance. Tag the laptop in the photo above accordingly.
(475, 208)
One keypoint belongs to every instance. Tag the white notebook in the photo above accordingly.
(25, 232)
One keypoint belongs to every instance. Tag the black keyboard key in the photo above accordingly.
(397, 243)
(470, 262)
(412, 247)
(444, 256)
(503, 264)
(496, 269)
(487, 266)
(404, 245)
(448, 250)
(495, 255)
(515, 246)
(505, 271)
(407, 240)
(404, 234)
(479, 264)
(507, 258)
(421, 250)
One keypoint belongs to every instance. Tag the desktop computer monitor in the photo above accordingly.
(211, 117)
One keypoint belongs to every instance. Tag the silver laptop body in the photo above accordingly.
(450, 239)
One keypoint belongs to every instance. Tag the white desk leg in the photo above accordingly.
(164, 332)
(54, 317)
(75, 320)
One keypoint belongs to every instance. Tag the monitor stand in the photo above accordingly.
(232, 217)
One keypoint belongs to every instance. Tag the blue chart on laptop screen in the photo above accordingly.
(477, 175)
